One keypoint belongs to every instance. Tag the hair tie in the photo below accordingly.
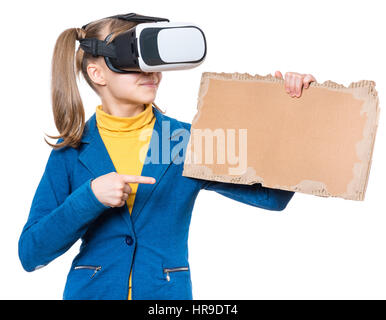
(80, 33)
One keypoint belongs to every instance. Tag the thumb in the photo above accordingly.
(278, 75)
(308, 78)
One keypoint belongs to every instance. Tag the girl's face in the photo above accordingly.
(131, 88)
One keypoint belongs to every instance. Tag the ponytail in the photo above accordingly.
(67, 106)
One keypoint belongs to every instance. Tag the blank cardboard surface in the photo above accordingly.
(249, 130)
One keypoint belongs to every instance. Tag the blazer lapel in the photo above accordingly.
(160, 147)
(96, 159)
(95, 156)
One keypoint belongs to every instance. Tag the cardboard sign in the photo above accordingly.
(249, 130)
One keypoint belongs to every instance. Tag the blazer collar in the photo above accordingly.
(96, 159)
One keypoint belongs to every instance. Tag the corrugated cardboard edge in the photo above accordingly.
(363, 90)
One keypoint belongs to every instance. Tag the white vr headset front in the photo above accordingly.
(151, 47)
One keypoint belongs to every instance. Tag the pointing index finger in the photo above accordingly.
(138, 179)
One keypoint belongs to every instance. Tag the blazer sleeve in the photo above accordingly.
(58, 216)
(255, 195)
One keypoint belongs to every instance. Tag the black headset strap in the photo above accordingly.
(97, 47)
(134, 18)
(100, 48)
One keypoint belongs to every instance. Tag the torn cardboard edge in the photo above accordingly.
(362, 90)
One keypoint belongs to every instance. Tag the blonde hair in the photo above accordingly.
(67, 106)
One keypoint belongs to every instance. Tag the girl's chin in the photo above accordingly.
(148, 98)
(144, 97)
(147, 101)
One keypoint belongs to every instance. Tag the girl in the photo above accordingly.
(130, 249)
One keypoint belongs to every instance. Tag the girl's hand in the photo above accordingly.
(113, 189)
(294, 82)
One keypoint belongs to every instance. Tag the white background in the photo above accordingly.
(318, 248)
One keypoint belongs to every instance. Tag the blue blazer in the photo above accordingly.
(152, 241)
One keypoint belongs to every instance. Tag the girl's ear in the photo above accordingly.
(96, 74)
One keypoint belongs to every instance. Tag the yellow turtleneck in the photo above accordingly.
(127, 140)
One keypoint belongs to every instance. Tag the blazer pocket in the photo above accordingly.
(94, 269)
(168, 272)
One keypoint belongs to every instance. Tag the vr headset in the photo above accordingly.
(153, 45)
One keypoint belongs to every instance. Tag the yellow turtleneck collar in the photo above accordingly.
(114, 124)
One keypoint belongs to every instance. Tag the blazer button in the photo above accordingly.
(129, 240)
